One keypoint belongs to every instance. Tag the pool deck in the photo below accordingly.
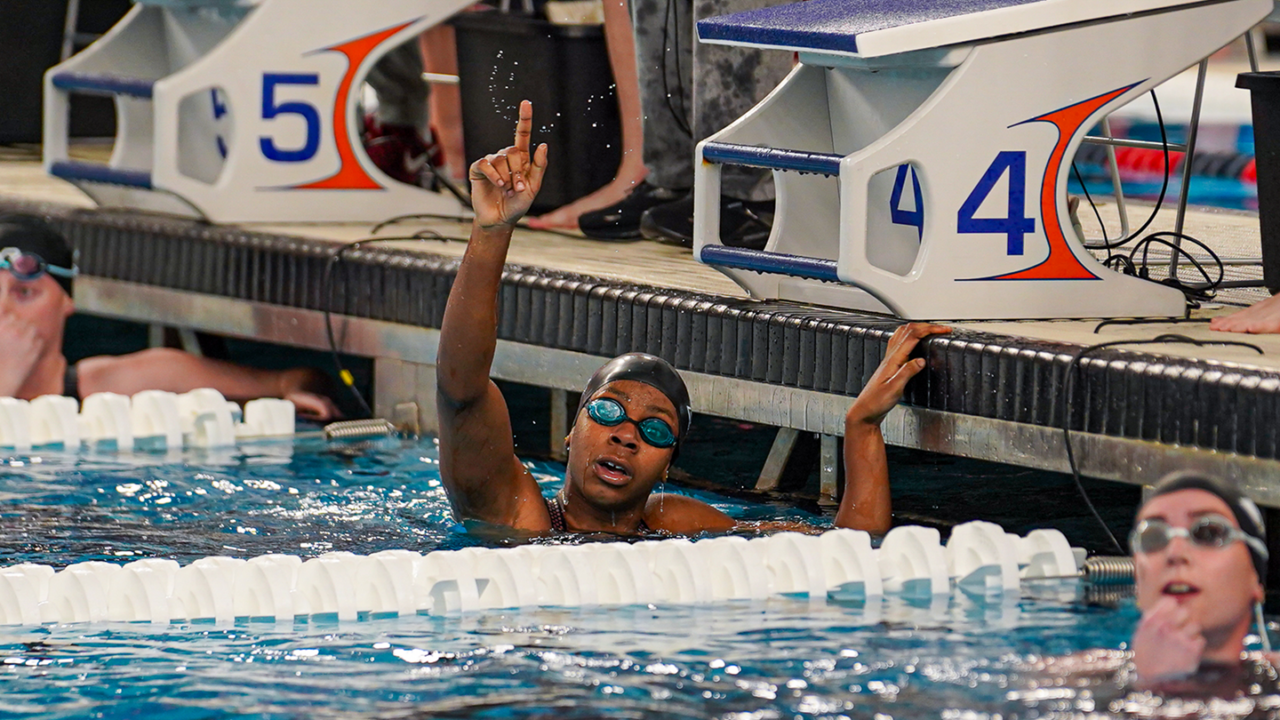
(993, 390)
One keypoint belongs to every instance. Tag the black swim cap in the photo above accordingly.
(32, 235)
(652, 371)
(1246, 512)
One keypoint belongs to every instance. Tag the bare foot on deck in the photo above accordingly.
(566, 217)
(1261, 317)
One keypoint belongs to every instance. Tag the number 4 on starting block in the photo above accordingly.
(242, 114)
(921, 149)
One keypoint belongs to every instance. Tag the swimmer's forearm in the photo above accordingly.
(469, 332)
(866, 502)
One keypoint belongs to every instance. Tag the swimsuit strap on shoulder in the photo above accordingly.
(556, 510)
(71, 382)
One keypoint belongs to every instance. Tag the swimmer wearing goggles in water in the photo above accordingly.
(37, 274)
(30, 266)
(1200, 555)
(634, 414)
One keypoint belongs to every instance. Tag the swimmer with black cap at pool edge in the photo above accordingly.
(634, 413)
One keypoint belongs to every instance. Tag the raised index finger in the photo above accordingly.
(524, 127)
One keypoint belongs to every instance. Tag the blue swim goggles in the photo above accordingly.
(610, 413)
(29, 266)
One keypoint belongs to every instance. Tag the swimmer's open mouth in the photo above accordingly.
(1179, 589)
(613, 471)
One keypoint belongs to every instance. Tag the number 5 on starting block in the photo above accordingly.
(245, 115)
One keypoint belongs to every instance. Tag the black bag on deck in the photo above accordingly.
(504, 58)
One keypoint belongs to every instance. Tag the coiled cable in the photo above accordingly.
(1108, 570)
(369, 429)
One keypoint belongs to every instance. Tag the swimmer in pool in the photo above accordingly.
(634, 412)
(1200, 553)
(36, 275)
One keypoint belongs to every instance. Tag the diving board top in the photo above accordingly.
(876, 28)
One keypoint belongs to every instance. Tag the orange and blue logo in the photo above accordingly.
(1061, 262)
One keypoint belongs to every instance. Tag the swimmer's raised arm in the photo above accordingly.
(482, 476)
(865, 504)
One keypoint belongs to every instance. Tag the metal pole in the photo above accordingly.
(1125, 142)
(1192, 131)
(69, 28)
(1117, 188)
(1251, 49)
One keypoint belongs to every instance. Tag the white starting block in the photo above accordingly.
(921, 149)
(241, 110)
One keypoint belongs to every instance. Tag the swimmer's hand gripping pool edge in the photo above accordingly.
(866, 501)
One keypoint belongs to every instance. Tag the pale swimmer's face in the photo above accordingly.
(1217, 586)
(39, 303)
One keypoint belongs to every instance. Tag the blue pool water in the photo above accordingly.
(781, 658)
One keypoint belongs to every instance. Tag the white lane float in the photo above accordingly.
(850, 564)
(15, 424)
(203, 589)
(267, 417)
(912, 562)
(141, 592)
(735, 572)
(262, 588)
(19, 598)
(106, 417)
(839, 563)
(384, 583)
(154, 414)
(201, 418)
(54, 421)
(445, 583)
(205, 419)
(982, 557)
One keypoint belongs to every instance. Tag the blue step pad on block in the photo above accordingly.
(774, 158)
(770, 262)
(97, 173)
(104, 84)
(885, 27)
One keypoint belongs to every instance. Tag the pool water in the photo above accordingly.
(788, 657)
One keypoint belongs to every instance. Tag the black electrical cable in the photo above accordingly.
(326, 291)
(417, 216)
(1068, 386)
(1148, 321)
(682, 116)
(1129, 265)
(461, 219)
(1202, 292)
(1164, 187)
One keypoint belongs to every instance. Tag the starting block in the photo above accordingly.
(239, 111)
(921, 149)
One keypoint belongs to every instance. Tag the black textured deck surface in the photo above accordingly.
(1208, 404)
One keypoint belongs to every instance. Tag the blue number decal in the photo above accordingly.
(219, 111)
(914, 218)
(307, 112)
(1016, 225)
